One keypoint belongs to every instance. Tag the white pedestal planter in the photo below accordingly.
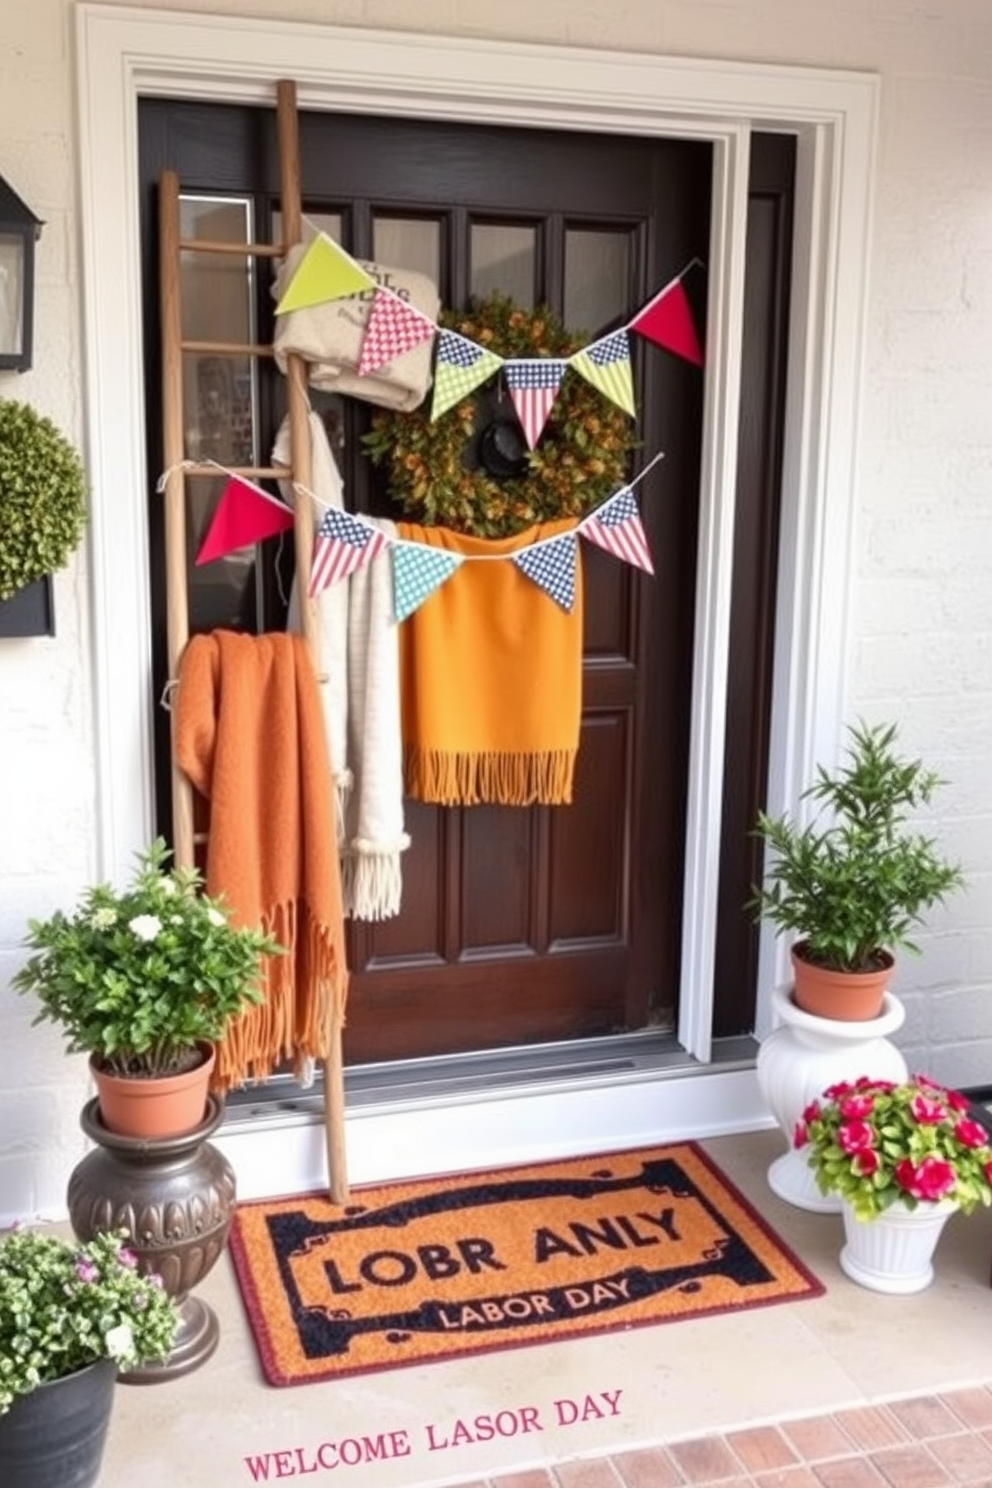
(799, 1060)
(893, 1253)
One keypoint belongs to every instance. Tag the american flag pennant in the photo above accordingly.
(245, 515)
(617, 527)
(667, 321)
(342, 544)
(551, 566)
(459, 367)
(533, 384)
(417, 571)
(393, 327)
(606, 364)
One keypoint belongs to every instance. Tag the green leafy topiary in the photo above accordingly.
(42, 497)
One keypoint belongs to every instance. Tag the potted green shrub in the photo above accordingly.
(42, 508)
(71, 1315)
(146, 981)
(852, 885)
(902, 1157)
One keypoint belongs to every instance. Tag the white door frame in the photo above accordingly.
(123, 54)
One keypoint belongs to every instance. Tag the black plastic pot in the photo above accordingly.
(54, 1437)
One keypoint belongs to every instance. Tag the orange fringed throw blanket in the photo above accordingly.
(248, 731)
(491, 677)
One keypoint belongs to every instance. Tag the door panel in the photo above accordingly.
(517, 925)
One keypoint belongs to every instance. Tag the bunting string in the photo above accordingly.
(327, 272)
(345, 541)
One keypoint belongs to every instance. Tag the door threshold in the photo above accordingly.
(456, 1078)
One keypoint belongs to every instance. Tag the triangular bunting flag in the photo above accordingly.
(551, 566)
(325, 272)
(606, 364)
(393, 327)
(667, 321)
(459, 367)
(342, 544)
(417, 571)
(617, 527)
(245, 515)
(533, 384)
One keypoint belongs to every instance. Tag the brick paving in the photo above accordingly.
(925, 1441)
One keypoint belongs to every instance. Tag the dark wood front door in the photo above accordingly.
(518, 925)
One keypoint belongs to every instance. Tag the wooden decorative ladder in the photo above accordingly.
(179, 470)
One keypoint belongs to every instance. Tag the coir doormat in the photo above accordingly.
(428, 1270)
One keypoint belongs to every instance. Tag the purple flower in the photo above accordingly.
(86, 1271)
(127, 1258)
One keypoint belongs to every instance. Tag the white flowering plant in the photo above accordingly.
(65, 1304)
(140, 978)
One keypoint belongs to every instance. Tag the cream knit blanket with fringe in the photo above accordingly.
(359, 657)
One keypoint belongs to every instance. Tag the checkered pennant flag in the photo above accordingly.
(393, 327)
(342, 544)
(551, 566)
(417, 571)
(459, 367)
(617, 527)
(606, 364)
(533, 384)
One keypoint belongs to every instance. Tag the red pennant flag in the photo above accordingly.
(667, 321)
(245, 515)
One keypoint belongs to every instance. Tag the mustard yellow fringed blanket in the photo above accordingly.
(491, 679)
(249, 732)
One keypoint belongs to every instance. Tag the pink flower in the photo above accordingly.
(86, 1271)
(127, 1258)
(811, 1112)
(931, 1179)
(926, 1080)
(971, 1134)
(836, 1092)
(866, 1162)
(856, 1107)
(926, 1111)
(957, 1101)
(800, 1135)
(855, 1136)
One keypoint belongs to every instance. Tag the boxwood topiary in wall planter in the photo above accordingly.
(42, 499)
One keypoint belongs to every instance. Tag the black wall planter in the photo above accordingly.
(29, 612)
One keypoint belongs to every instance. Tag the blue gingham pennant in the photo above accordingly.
(417, 571)
(551, 566)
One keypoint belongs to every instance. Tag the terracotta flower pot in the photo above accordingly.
(166, 1106)
(850, 996)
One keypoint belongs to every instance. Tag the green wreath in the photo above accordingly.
(471, 470)
(42, 497)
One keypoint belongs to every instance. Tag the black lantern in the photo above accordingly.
(19, 230)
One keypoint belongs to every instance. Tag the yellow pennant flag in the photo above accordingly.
(325, 272)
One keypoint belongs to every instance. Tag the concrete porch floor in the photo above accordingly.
(848, 1390)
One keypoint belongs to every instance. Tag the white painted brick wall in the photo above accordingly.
(922, 594)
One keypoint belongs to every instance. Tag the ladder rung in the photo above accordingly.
(259, 472)
(242, 250)
(227, 348)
